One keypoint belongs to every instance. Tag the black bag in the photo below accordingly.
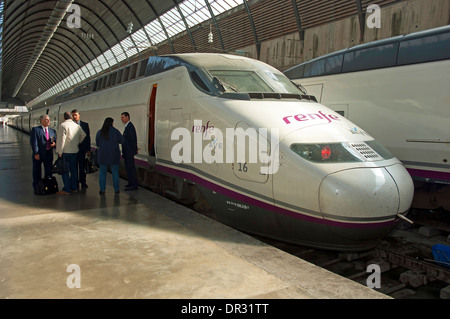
(91, 165)
(47, 186)
(93, 158)
(61, 166)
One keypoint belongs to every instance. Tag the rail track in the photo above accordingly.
(405, 259)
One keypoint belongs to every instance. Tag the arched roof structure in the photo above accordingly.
(48, 46)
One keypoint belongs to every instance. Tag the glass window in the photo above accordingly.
(240, 81)
(295, 72)
(424, 49)
(281, 83)
(379, 56)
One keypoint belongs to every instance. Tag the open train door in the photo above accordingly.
(151, 123)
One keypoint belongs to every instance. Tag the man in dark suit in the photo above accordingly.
(85, 148)
(129, 150)
(42, 140)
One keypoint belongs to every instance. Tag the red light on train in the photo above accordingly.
(326, 152)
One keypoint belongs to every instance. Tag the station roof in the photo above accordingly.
(49, 46)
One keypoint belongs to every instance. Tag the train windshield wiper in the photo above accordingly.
(221, 85)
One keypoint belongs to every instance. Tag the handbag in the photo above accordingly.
(90, 166)
(60, 166)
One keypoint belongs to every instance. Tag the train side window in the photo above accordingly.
(325, 66)
(380, 56)
(141, 68)
(424, 49)
(133, 69)
(108, 81)
(199, 83)
(126, 73)
(113, 79)
(296, 72)
(119, 76)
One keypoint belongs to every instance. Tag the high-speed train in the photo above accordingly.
(236, 138)
(397, 89)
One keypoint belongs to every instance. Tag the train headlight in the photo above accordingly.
(368, 151)
(327, 153)
(305, 152)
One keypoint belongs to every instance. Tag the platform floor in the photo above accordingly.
(136, 245)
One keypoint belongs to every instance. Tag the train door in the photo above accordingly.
(152, 121)
(249, 141)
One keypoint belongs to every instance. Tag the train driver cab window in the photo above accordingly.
(280, 83)
(240, 81)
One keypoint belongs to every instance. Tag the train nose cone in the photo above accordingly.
(362, 203)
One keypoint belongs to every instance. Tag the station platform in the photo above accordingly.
(137, 245)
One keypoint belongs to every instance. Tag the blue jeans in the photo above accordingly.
(70, 179)
(102, 176)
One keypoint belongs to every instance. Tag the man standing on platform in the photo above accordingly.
(85, 148)
(42, 140)
(70, 135)
(129, 150)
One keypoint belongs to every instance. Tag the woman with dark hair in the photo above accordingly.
(108, 139)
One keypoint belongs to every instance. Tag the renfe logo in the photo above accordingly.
(308, 117)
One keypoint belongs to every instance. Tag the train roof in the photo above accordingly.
(418, 47)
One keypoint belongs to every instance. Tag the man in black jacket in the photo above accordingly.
(85, 148)
(129, 150)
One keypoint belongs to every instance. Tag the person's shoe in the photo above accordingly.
(117, 192)
(131, 188)
(62, 193)
(101, 192)
(75, 190)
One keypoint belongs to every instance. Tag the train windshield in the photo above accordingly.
(241, 81)
(247, 81)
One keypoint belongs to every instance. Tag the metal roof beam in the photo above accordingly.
(162, 25)
(52, 25)
(186, 25)
(252, 23)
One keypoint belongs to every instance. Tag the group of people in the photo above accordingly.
(73, 143)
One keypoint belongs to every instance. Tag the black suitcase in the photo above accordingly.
(47, 186)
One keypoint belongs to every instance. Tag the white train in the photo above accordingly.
(237, 138)
(397, 89)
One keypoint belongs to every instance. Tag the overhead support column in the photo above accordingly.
(53, 23)
(362, 20)
(186, 25)
(301, 31)
(255, 35)
(162, 25)
(143, 27)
